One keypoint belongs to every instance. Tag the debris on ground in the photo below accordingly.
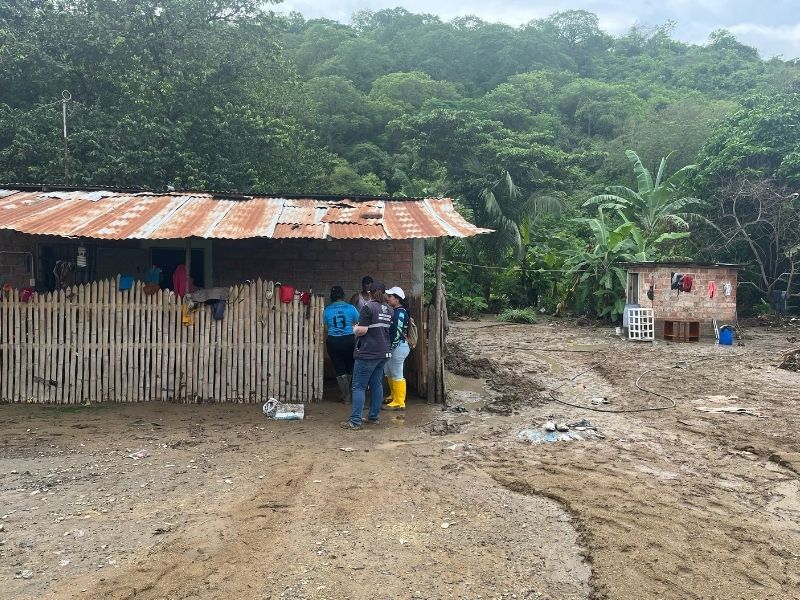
(281, 411)
(347, 449)
(552, 431)
(139, 454)
(791, 360)
(737, 410)
(442, 427)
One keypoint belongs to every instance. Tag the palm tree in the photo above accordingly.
(657, 206)
(505, 209)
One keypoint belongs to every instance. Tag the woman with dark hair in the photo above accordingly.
(339, 318)
(398, 333)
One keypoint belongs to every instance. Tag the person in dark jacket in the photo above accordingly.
(371, 353)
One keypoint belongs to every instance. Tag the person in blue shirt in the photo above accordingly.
(339, 317)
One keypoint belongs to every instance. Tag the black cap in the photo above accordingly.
(377, 286)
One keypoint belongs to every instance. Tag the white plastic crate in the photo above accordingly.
(641, 324)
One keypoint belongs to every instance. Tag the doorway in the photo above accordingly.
(168, 259)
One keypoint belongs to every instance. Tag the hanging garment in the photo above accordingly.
(686, 283)
(651, 292)
(217, 309)
(125, 282)
(153, 275)
(712, 289)
(677, 281)
(179, 282)
(727, 289)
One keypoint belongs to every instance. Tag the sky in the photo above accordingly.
(771, 26)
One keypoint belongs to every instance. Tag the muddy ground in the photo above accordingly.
(672, 503)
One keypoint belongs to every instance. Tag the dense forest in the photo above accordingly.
(551, 133)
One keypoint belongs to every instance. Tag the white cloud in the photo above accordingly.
(696, 19)
(772, 40)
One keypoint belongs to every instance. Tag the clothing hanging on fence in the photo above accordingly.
(712, 289)
(217, 309)
(125, 282)
(179, 282)
(727, 289)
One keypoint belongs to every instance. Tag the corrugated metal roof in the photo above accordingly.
(147, 215)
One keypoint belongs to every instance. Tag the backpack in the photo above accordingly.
(686, 284)
(412, 335)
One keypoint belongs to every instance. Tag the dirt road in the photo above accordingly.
(675, 503)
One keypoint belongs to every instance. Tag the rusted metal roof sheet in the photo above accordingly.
(147, 215)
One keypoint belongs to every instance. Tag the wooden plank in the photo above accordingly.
(69, 349)
(238, 355)
(216, 339)
(252, 347)
(16, 395)
(245, 333)
(169, 341)
(77, 347)
(269, 337)
(317, 345)
(106, 333)
(302, 352)
(5, 382)
(117, 347)
(126, 352)
(51, 346)
(295, 366)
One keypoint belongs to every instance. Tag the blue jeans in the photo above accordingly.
(367, 373)
(394, 366)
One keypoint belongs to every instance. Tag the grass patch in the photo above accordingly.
(518, 315)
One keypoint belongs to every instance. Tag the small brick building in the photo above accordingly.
(685, 314)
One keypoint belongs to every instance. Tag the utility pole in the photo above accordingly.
(65, 97)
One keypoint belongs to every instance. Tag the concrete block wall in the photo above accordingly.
(696, 305)
(316, 264)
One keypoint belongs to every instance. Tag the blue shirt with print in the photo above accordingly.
(340, 317)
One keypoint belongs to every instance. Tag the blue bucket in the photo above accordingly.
(726, 336)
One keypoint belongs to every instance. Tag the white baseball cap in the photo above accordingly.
(396, 291)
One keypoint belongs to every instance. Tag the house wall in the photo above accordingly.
(319, 264)
(16, 269)
(696, 305)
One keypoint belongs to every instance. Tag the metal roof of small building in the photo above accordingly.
(119, 215)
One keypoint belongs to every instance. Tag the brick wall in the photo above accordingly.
(15, 268)
(315, 264)
(696, 305)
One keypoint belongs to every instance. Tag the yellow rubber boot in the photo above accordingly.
(399, 395)
(389, 397)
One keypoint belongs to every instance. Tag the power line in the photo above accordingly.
(518, 269)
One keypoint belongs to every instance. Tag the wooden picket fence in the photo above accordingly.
(94, 343)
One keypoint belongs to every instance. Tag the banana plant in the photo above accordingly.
(658, 206)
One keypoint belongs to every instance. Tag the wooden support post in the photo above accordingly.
(436, 385)
(188, 261)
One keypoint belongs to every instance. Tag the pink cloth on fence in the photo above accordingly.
(712, 289)
(179, 282)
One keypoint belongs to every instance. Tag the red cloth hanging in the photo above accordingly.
(179, 282)
(712, 289)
